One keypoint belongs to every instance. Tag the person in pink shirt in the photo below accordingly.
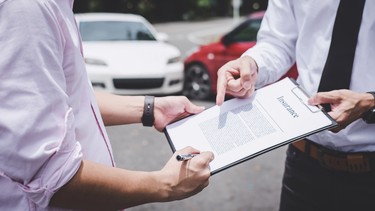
(54, 150)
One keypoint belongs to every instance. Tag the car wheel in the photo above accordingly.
(197, 84)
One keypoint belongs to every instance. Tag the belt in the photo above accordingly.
(334, 160)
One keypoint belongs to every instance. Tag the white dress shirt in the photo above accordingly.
(300, 31)
(49, 119)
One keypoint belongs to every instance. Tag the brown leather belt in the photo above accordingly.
(339, 161)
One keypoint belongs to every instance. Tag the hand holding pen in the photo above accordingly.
(186, 178)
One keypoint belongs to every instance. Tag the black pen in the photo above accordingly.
(186, 156)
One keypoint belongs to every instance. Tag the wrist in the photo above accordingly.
(163, 188)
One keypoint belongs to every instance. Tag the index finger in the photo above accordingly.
(203, 159)
(323, 97)
(221, 87)
(207, 155)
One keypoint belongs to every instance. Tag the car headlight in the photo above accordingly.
(174, 60)
(95, 62)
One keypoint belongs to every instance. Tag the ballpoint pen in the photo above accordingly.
(186, 156)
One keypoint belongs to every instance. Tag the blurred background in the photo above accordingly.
(171, 10)
(174, 47)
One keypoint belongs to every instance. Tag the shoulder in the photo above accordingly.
(28, 22)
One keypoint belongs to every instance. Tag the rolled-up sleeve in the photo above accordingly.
(275, 48)
(38, 147)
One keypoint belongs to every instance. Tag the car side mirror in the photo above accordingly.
(162, 37)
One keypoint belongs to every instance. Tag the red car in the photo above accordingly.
(202, 65)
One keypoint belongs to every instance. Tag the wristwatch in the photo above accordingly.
(148, 112)
(369, 116)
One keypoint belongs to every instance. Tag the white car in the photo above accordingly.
(124, 54)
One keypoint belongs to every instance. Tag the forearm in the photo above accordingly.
(275, 48)
(117, 110)
(99, 187)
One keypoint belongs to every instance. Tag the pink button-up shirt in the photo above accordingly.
(49, 119)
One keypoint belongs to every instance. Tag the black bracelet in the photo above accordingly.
(373, 94)
(148, 112)
(369, 116)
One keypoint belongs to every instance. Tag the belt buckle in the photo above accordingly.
(358, 163)
(322, 161)
(353, 163)
(332, 161)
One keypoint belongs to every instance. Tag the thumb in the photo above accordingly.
(193, 109)
(314, 100)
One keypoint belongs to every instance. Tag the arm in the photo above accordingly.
(96, 186)
(117, 110)
(99, 187)
(347, 106)
(268, 60)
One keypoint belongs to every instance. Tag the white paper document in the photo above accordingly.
(241, 129)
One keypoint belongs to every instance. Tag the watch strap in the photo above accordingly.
(148, 111)
(369, 116)
(373, 94)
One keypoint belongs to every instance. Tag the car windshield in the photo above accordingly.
(114, 31)
(246, 32)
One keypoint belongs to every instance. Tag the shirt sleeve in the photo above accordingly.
(38, 147)
(274, 52)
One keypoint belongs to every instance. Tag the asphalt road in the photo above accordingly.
(250, 186)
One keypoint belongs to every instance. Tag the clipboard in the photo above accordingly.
(242, 129)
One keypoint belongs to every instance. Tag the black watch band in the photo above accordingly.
(369, 116)
(373, 94)
(148, 111)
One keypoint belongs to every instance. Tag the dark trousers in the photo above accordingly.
(308, 186)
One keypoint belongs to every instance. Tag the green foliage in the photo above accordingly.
(203, 3)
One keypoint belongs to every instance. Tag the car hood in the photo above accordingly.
(145, 57)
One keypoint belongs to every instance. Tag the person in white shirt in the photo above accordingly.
(331, 170)
(54, 150)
